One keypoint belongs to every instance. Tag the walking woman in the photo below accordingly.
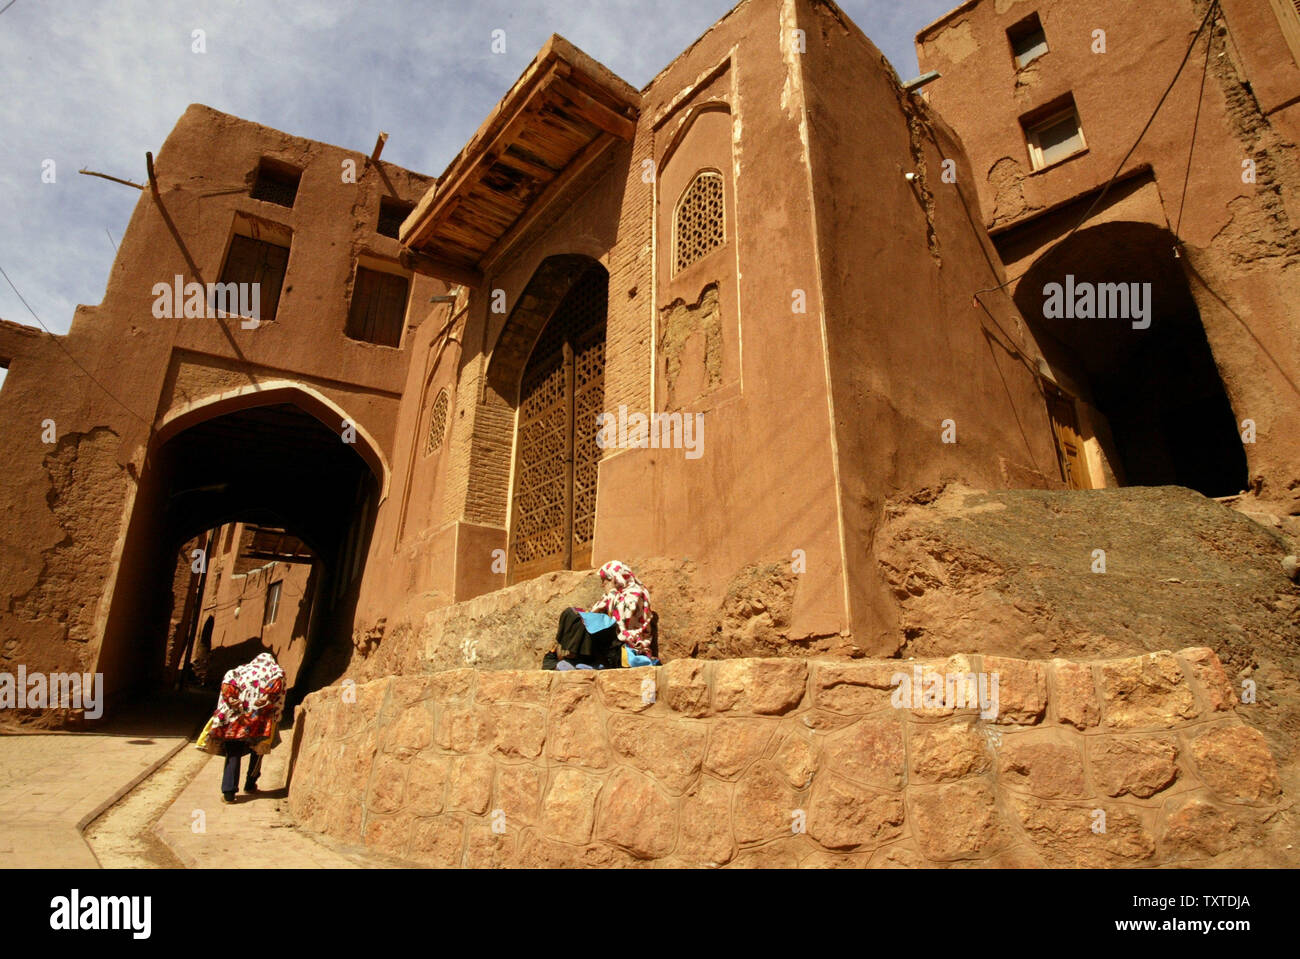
(247, 720)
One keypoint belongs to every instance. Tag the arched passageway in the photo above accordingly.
(274, 466)
(1112, 310)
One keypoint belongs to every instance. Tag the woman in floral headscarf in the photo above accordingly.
(246, 720)
(628, 602)
(614, 632)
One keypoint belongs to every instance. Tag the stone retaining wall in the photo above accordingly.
(776, 762)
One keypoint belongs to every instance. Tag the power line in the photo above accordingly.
(1209, 14)
(1191, 147)
(57, 341)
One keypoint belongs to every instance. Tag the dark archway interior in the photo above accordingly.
(274, 465)
(1158, 387)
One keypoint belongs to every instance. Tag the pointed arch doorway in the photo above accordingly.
(561, 393)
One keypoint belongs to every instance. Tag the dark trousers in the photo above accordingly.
(590, 649)
(236, 751)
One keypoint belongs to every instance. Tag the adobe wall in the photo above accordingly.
(757, 378)
(1136, 762)
(1240, 238)
(435, 537)
(237, 605)
(908, 348)
(68, 504)
(754, 371)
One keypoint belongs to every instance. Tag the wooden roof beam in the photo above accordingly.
(442, 269)
(572, 172)
(591, 109)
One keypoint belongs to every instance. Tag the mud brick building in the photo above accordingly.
(1048, 98)
(420, 398)
(419, 406)
(870, 441)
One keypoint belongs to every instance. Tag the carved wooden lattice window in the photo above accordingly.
(699, 226)
(437, 423)
(561, 394)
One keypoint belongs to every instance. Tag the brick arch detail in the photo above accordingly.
(549, 283)
(492, 443)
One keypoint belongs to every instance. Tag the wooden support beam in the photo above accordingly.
(445, 200)
(115, 179)
(379, 147)
(535, 170)
(556, 186)
(442, 269)
(589, 108)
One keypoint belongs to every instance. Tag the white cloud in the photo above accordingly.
(98, 83)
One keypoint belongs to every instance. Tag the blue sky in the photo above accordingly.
(96, 84)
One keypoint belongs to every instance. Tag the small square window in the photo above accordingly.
(378, 310)
(1028, 41)
(391, 215)
(276, 183)
(1057, 136)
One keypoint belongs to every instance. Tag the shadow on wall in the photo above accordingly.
(224, 658)
(1111, 308)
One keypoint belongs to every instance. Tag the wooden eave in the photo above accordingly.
(563, 111)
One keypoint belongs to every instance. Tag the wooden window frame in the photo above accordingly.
(431, 444)
(1021, 30)
(236, 241)
(708, 172)
(1036, 156)
(356, 326)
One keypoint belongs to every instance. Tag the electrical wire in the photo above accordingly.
(1209, 14)
(1191, 148)
(57, 341)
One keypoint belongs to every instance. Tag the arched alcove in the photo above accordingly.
(1112, 310)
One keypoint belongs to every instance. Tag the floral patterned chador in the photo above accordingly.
(251, 700)
(629, 605)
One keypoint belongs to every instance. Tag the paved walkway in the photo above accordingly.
(52, 785)
(253, 832)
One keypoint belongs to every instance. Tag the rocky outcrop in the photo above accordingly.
(514, 627)
(1139, 761)
(1085, 573)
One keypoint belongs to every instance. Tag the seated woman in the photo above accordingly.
(615, 632)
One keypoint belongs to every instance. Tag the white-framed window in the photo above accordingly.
(272, 603)
(1057, 136)
(1028, 41)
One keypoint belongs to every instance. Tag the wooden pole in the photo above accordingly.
(115, 179)
(379, 147)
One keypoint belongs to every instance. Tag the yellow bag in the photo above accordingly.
(204, 742)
